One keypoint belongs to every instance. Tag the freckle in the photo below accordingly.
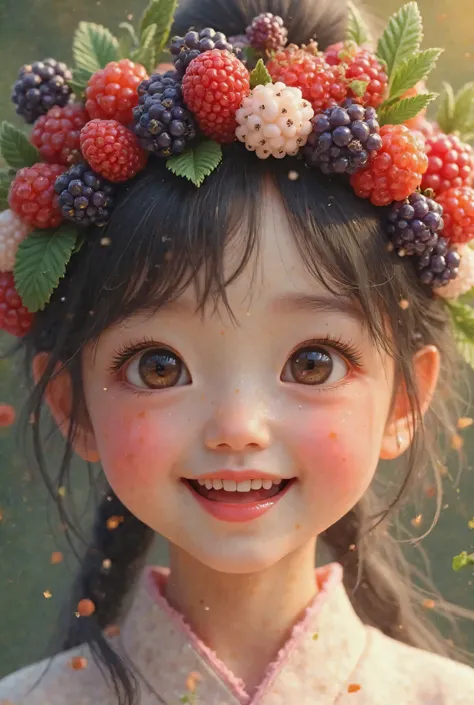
(222, 332)
(203, 397)
(297, 526)
(141, 415)
(333, 436)
(237, 391)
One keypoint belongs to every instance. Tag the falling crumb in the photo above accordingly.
(112, 630)
(105, 241)
(352, 547)
(62, 491)
(442, 17)
(47, 594)
(464, 422)
(404, 304)
(430, 491)
(56, 557)
(353, 688)
(457, 442)
(416, 521)
(293, 175)
(192, 680)
(471, 523)
(130, 17)
(390, 247)
(78, 663)
(443, 470)
(333, 436)
(7, 415)
(114, 521)
(85, 607)
(107, 563)
(315, 636)
(429, 604)
(206, 608)
(105, 389)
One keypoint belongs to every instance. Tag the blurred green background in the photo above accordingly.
(31, 586)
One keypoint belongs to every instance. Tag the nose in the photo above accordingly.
(238, 425)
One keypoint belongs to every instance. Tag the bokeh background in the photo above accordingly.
(33, 582)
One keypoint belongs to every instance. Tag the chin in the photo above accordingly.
(239, 557)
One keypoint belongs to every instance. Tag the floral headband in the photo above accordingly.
(352, 111)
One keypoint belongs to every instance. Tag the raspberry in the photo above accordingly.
(274, 121)
(458, 206)
(112, 150)
(396, 170)
(14, 317)
(439, 265)
(307, 70)
(188, 48)
(464, 281)
(56, 134)
(414, 224)
(267, 32)
(162, 123)
(359, 65)
(84, 196)
(32, 195)
(111, 93)
(343, 138)
(214, 87)
(450, 163)
(12, 232)
(41, 86)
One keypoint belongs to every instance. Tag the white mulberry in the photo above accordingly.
(12, 232)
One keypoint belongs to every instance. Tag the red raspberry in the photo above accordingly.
(111, 93)
(396, 170)
(214, 86)
(458, 214)
(14, 317)
(450, 163)
(112, 150)
(360, 65)
(56, 134)
(32, 195)
(306, 69)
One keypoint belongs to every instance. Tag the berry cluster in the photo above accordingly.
(361, 66)
(414, 224)
(267, 32)
(111, 93)
(32, 196)
(450, 163)
(189, 47)
(84, 196)
(41, 86)
(440, 265)
(14, 317)
(56, 134)
(112, 150)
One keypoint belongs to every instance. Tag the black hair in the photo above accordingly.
(162, 235)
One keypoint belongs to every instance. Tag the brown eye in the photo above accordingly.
(157, 369)
(314, 366)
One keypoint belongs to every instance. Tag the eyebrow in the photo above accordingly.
(289, 303)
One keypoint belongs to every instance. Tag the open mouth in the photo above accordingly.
(231, 492)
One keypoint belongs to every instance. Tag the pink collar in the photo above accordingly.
(314, 665)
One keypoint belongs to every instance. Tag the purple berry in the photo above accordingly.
(41, 86)
(439, 265)
(267, 33)
(193, 44)
(414, 226)
(84, 197)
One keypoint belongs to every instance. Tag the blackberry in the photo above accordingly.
(41, 86)
(415, 224)
(267, 33)
(189, 47)
(85, 197)
(162, 123)
(439, 265)
(343, 138)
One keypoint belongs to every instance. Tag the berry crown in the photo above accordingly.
(356, 110)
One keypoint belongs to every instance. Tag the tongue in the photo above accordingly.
(238, 497)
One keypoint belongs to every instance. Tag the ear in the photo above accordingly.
(59, 399)
(401, 425)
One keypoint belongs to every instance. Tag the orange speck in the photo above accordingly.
(106, 563)
(464, 422)
(404, 304)
(429, 604)
(353, 688)
(56, 557)
(333, 435)
(78, 663)
(416, 521)
(352, 547)
(441, 17)
(62, 491)
(112, 630)
(430, 491)
(7, 415)
(457, 442)
(114, 522)
(85, 607)
(222, 332)
(192, 680)
(47, 594)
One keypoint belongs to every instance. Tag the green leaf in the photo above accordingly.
(15, 147)
(128, 41)
(159, 12)
(146, 51)
(197, 163)
(41, 263)
(6, 177)
(401, 38)
(357, 29)
(94, 47)
(260, 76)
(463, 109)
(462, 561)
(413, 70)
(445, 114)
(403, 110)
(80, 79)
(358, 87)
(462, 317)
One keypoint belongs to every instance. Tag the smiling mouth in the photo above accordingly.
(248, 492)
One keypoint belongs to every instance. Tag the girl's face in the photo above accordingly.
(289, 388)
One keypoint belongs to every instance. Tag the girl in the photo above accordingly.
(239, 357)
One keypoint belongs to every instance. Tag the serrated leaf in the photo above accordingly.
(358, 87)
(41, 263)
(357, 29)
(401, 38)
(403, 110)
(94, 47)
(412, 70)
(159, 12)
(445, 114)
(260, 76)
(80, 79)
(197, 163)
(145, 54)
(6, 178)
(463, 109)
(15, 147)
(128, 40)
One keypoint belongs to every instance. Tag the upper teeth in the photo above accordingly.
(243, 486)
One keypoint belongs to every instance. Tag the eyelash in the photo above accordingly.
(345, 348)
